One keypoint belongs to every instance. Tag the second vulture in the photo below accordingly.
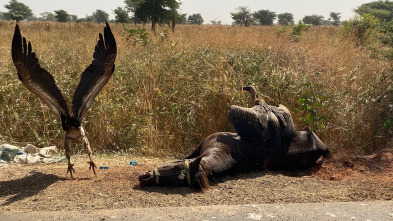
(263, 124)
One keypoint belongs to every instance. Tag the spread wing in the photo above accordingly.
(263, 123)
(36, 79)
(96, 75)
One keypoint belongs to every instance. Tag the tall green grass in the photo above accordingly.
(168, 94)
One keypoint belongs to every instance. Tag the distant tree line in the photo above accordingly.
(161, 12)
(244, 17)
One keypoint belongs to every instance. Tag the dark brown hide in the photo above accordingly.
(225, 153)
(305, 149)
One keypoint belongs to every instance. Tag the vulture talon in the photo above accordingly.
(71, 170)
(92, 166)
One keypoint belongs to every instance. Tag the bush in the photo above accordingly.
(362, 27)
(297, 30)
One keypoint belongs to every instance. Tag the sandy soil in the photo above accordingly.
(45, 187)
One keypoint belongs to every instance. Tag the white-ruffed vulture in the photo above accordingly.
(41, 83)
(264, 124)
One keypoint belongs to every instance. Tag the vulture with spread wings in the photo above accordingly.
(264, 124)
(41, 83)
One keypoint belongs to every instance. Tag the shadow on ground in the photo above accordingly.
(27, 186)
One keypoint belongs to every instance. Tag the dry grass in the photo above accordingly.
(166, 96)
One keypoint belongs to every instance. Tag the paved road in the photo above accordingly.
(378, 210)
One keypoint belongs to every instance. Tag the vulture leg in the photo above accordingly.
(86, 144)
(67, 148)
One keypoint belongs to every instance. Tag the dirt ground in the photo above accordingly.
(344, 178)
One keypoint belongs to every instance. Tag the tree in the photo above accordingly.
(121, 15)
(100, 16)
(74, 18)
(313, 19)
(157, 11)
(47, 16)
(7, 16)
(214, 22)
(383, 10)
(195, 19)
(173, 17)
(285, 18)
(131, 6)
(89, 18)
(265, 17)
(62, 16)
(18, 11)
(242, 16)
(335, 18)
(183, 19)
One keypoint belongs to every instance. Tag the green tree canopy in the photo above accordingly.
(89, 18)
(131, 6)
(18, 11)
(47, 16)
(264, 17)
(285, 18)
(121, 15)
(215, 22)
(157, 11)
(335, 18)
(73, 18)
(62, 16)
(195, 19)
(313, 19)
(100, 16)
(182, 19)
(383, 10)
(174, 17)
(242, 16)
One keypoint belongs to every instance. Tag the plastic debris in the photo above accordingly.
(8, 152)
(48, 151)
(28, 155)
(133, 163)
(103, 168)
(29, 148)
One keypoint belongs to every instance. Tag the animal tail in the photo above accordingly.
(196, 152)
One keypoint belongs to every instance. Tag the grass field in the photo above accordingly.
(168, 94)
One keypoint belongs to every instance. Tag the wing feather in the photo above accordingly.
(36, 79)
(96, 75)
(263, 123)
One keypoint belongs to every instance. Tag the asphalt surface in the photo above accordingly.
(376, 210)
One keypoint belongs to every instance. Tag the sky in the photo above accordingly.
(218, 10)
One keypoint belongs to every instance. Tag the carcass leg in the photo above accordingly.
(67, 148)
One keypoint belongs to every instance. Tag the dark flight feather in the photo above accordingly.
(36, 79)
(263, 123)
(96, 75)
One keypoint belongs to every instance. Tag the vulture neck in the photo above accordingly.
(254, 98)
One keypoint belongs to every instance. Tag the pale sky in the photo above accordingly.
(209, 9)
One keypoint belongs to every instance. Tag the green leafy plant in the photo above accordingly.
(137, 36)
(310, 101)
(362, 27)
(297, 30)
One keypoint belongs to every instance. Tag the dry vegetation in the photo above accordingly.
(170, 93)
